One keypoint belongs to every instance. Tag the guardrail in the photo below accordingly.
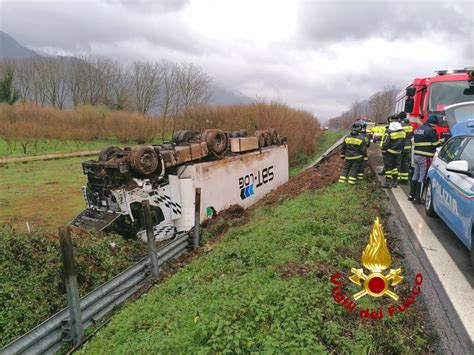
(327, 153)
(49, 336)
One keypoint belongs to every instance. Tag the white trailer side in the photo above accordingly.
(242, 179)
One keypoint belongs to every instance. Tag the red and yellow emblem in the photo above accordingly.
(376, 258)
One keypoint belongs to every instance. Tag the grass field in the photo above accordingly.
(47, 194)
(265, 287)
(323, 142)
(44, 194)
(51, 146)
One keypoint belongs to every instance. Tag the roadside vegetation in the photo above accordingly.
(28, 129)
(322, 143)
(265, 287)
(30, 273)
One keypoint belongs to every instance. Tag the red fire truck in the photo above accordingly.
(424, 96)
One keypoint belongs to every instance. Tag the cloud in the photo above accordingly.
(148, 6)
(336, 20)
(315, 55)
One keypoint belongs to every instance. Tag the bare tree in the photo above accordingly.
(145, 85)
(193, 86)
(53, 73)
(24, 76)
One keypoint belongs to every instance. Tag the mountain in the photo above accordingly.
(11, 49)
(221, 96)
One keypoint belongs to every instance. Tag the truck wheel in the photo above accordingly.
(429, 200)
(268, 139)
(274, 135)
(109, 152)
(261, 138)
(216, 141)
(144, 160)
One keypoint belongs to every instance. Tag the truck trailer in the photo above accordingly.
(229, 168)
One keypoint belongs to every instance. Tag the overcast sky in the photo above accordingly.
(315, 55)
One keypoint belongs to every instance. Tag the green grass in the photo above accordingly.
(42, 193)
(30, 274)
(323, 142)
(265, 287)
(50, 146)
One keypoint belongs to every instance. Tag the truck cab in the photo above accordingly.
(425, 96)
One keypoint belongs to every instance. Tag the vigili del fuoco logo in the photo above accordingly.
(377, 283)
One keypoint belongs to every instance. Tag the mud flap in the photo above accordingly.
(92, 219)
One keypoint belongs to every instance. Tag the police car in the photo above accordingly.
(450, 180)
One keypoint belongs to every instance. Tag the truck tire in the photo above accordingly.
(144, 160)
(109, 152)
(268, 138)
(261, 138)
(216, 141)
(274, 135)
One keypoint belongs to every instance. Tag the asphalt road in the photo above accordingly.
(429, 247)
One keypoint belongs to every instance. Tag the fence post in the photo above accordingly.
(197, 217)
(70, 279)
(150, 236)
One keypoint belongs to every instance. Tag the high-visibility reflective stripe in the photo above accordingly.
(397, 135)
(425, 144)
(407, 147)
(351, 140)
(360, 174)
(354, 157)
(352, 178)
(342, 177)
(394, 151)
(414, 119)
(366, 158)
(352, 182)
(428, 154)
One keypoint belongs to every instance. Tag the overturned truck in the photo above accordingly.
(229, 168)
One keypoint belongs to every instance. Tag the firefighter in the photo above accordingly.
(353, 151)
(405, 159)
(392, 147)
(360, 173)
(425, 140)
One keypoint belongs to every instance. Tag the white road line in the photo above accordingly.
(458, 289)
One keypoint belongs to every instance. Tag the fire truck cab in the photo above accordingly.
(424, 96)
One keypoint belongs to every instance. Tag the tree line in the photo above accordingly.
(61, 82)
(377, 108)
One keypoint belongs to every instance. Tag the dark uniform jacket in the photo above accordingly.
(408, 128)
(354, 147)
(394, 141)
(425, 140)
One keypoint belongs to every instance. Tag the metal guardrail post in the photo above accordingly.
(150, 236)
(70, 279)
(197, 217)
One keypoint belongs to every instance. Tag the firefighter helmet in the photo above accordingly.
(356, 127)
(393, 118)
